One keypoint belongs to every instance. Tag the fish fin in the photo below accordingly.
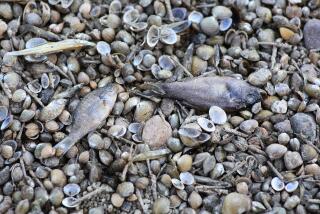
(64, 146)
(154, 87)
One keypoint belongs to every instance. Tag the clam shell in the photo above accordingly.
(217, 115)
(71, 189)
(195, 17)
(35, 86)
(7, 122)
(225, 24)
(168, 36)
(179, 27)
(135, 128)
(189, 132)
(206, 124)
(103, 48)
(131, 16)
(153, 36)
(70, 202)
(177, 183)
(34, 42)
(66, 3)
(117, 130)
(115, 7)
(203, 137)
(186, 178)
(179, 13)
(277, 184)
(291, 186)
(165, 62)
(45, 82)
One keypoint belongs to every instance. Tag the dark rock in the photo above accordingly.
(304, 126)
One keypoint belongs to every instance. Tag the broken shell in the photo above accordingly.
(71, 189)
(292, 186)
(103, 48)
(34, 86)
(7, 122)
(186, 178)
(70, 202)
(177, 183)
(195, 17)
(217, 115)
(45, 82)
(203, 137)
(131, 16)
(115, 7)
(206, 124)
(277, 184)
(3, 112)
(135, 127)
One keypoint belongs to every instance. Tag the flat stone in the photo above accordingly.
(311, 34)
(304, 126)
(276, 151)
(292, 160)
(156, 132)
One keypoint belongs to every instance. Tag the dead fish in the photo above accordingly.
(203, 92)
(92, 110)
(53, 47)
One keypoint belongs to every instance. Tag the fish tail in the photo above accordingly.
(154, 87)
(64, 146)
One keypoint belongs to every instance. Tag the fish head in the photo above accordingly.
(252, 96)
(243, 97)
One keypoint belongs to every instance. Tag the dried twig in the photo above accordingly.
(37, 99)
(275, 171)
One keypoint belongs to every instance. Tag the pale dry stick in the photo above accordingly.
(274, 56)
(279, 45)
(314, 201)
(194, 118)
(71, 76)
(122, 139)
(18, 138)
(37, 99)
(189, 115)
(183, 68)
(56, 68)
(206, 5)
(93, 193)
(235, 132)
(126, 167)
(5, 89)
(153, 179)
(154, 99)
(139, 196)
(275, 171)
(69, 92)
(169, 10)
(211, 189)
(234, 169)
(36, 179)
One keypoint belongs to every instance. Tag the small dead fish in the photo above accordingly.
(53, 47)
(92, 110)
(203, 92)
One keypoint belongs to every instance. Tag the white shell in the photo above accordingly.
(117, 130)
(103, 48)
(71, 189)
(206, 124)
(292, 186)
(7, 122)
(131, 16)
(186, 178)
(168, 36)
(153, 36)
(135, 127)
(195, 17)
(189, 132)
(45, 80)
(217, 115)
(70, 202)
(3, 112)
(177, 183)
(115, 7)
(277, 184)
(166, 62)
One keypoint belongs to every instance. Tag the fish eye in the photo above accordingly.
(251, 98)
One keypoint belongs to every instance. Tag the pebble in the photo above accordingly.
(156, 132)
(58, 178)
(195, 200)
(249, 126)
(276, 151)
(292, 202)
(304, 126)
(184, 163)
(117, 200)
(235, 203)
(308, 153)
(125, 189)
(161, 206)
(279, 107)
(311, 34)
(209, 26)
(292, 160)
(260, 77)
(242, 188)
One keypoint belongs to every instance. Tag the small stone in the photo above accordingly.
(96, 210)
(260, 77)
(308, 153)
(117, 200)
(125, 189)
(58, 178)
(235, 203)
(249, 126)
(209, 26)
(312, 169)
(292, 160)
(283, 138)
(311, 34)
(195, 200)
(276, 151)
(198, 66)
(156, 132)
(242, 188)
(161, 206)
(184, 163)
(292, 202)
(304, 126)
(279, 107)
